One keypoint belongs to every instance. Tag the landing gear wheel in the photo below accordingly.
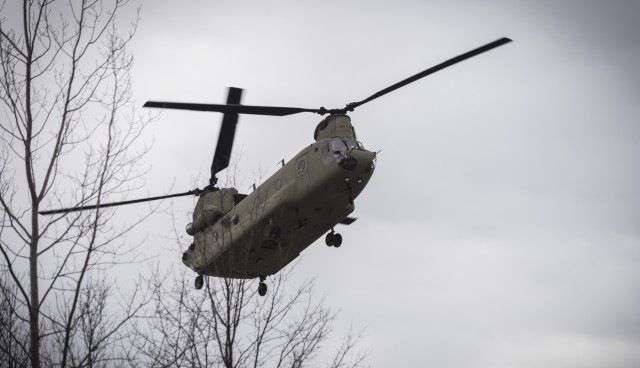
(199, 282)
(329, 239)
(262, 289)
(333, 239)
(337, 240)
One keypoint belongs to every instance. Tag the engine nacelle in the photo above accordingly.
(210, 208)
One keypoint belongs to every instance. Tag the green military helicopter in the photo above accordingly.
(255, 235)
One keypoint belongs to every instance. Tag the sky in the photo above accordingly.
(501, 227)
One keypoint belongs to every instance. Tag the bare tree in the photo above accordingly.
(229, 325)
(11, 335)
(66, 128)
(67, 131)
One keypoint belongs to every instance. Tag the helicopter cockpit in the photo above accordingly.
(345, 143)
(338, 148)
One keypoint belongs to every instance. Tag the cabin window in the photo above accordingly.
(256, 202)
(301, 166)
(278, 184)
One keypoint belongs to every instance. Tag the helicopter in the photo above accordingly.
(253, 236)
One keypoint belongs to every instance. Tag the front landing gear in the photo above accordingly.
(262, 287)
(199, 282)
(333, 239)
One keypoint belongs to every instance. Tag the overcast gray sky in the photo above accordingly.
(502, 225)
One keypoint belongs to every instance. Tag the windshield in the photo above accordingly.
(351, 143)
(339, 143)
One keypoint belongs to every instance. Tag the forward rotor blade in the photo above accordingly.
(233, 108)
(227, 134)
(283, 111)
(113, 204)
(431, 70)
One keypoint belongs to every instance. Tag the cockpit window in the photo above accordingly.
(325, 149)
(354, 144)
(339, 143)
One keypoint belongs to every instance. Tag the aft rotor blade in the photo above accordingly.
(432, 70)
(232, 109)
(113, 204)
(227, 133)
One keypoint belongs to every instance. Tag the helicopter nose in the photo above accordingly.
(370, 166)
(347, 162)
(359, 161)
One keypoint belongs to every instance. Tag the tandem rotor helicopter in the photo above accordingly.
(256, 235)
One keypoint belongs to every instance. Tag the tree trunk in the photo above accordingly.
(34, 311)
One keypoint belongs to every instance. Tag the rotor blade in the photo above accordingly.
(283, 111)
(431, 70)
(94, 206)
(227, 134)
(233, 108)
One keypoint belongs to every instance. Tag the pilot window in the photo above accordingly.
(352, 143)
(326, 157)
(339, 143)
(336, 144)
(325, 149)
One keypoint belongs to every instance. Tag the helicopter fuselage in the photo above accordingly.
(256, 235)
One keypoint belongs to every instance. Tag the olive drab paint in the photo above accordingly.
(258, 234)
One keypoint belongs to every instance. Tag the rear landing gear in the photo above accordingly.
(199, 282)
(333, 239)
(262, 287)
